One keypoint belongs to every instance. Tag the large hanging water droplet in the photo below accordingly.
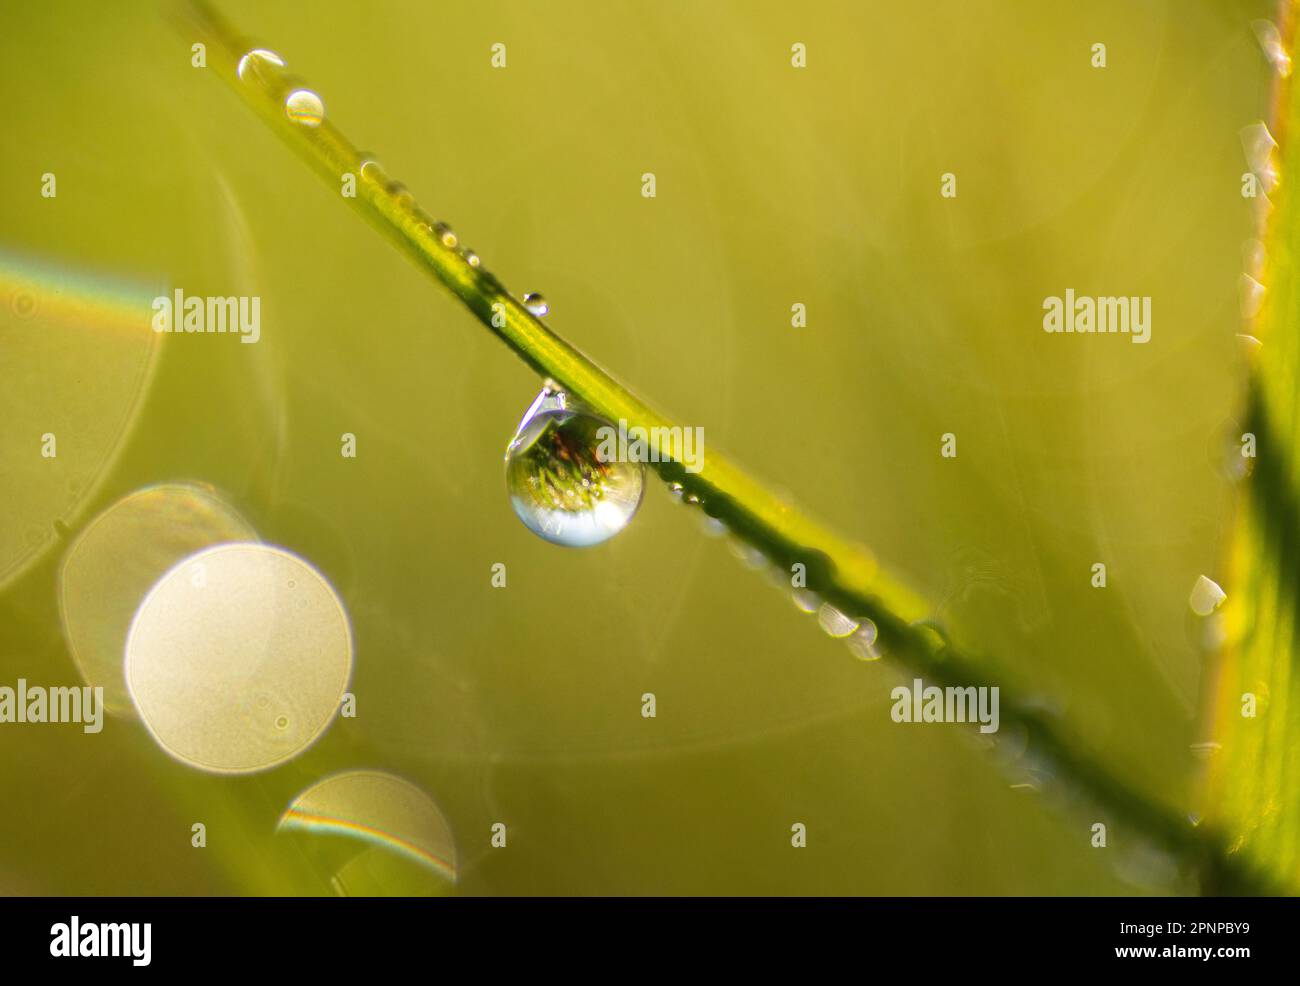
(560, 486)
(537, 305)
(304, 107)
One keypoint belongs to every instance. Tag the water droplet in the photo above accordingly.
(862, 643)
(1249, 346)
(748, 555)
(402, 194)
(304, 107)
(559, 485)
(712, 527)
(835, 623)
(256, 59)
(805, 600)
(934, 635)
(536, 304)
(472, 258)
(1250, 295)
(1206, 596)
(445, 234)
(1270, 42)
(1258, 145)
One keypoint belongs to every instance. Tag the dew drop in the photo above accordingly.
(835, 623)
(1250, 295)
(862, 642)
(934, 636)
(258, 58)
(559, 485)
(472, 258)
(712, 527)
(536, 304)
(446, 235)
(402, 194)
(1206, 596)
(1270, 42)
(304, 107)
(1258, 145)
(748, 555)
(1249, 346)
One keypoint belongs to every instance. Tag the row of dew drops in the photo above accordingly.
(567, 493)
(564, 490)
(559, 485)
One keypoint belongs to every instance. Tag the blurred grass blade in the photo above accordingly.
(1254, 777)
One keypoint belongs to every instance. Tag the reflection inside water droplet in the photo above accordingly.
(805, 600)
(559, 484)
(1270, 42)
(536, 304)
(304, 107)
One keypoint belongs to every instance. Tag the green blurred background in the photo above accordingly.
(775, 186)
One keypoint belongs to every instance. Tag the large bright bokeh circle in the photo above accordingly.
(238, 658)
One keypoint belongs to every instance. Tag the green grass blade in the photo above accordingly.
(839, 570)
